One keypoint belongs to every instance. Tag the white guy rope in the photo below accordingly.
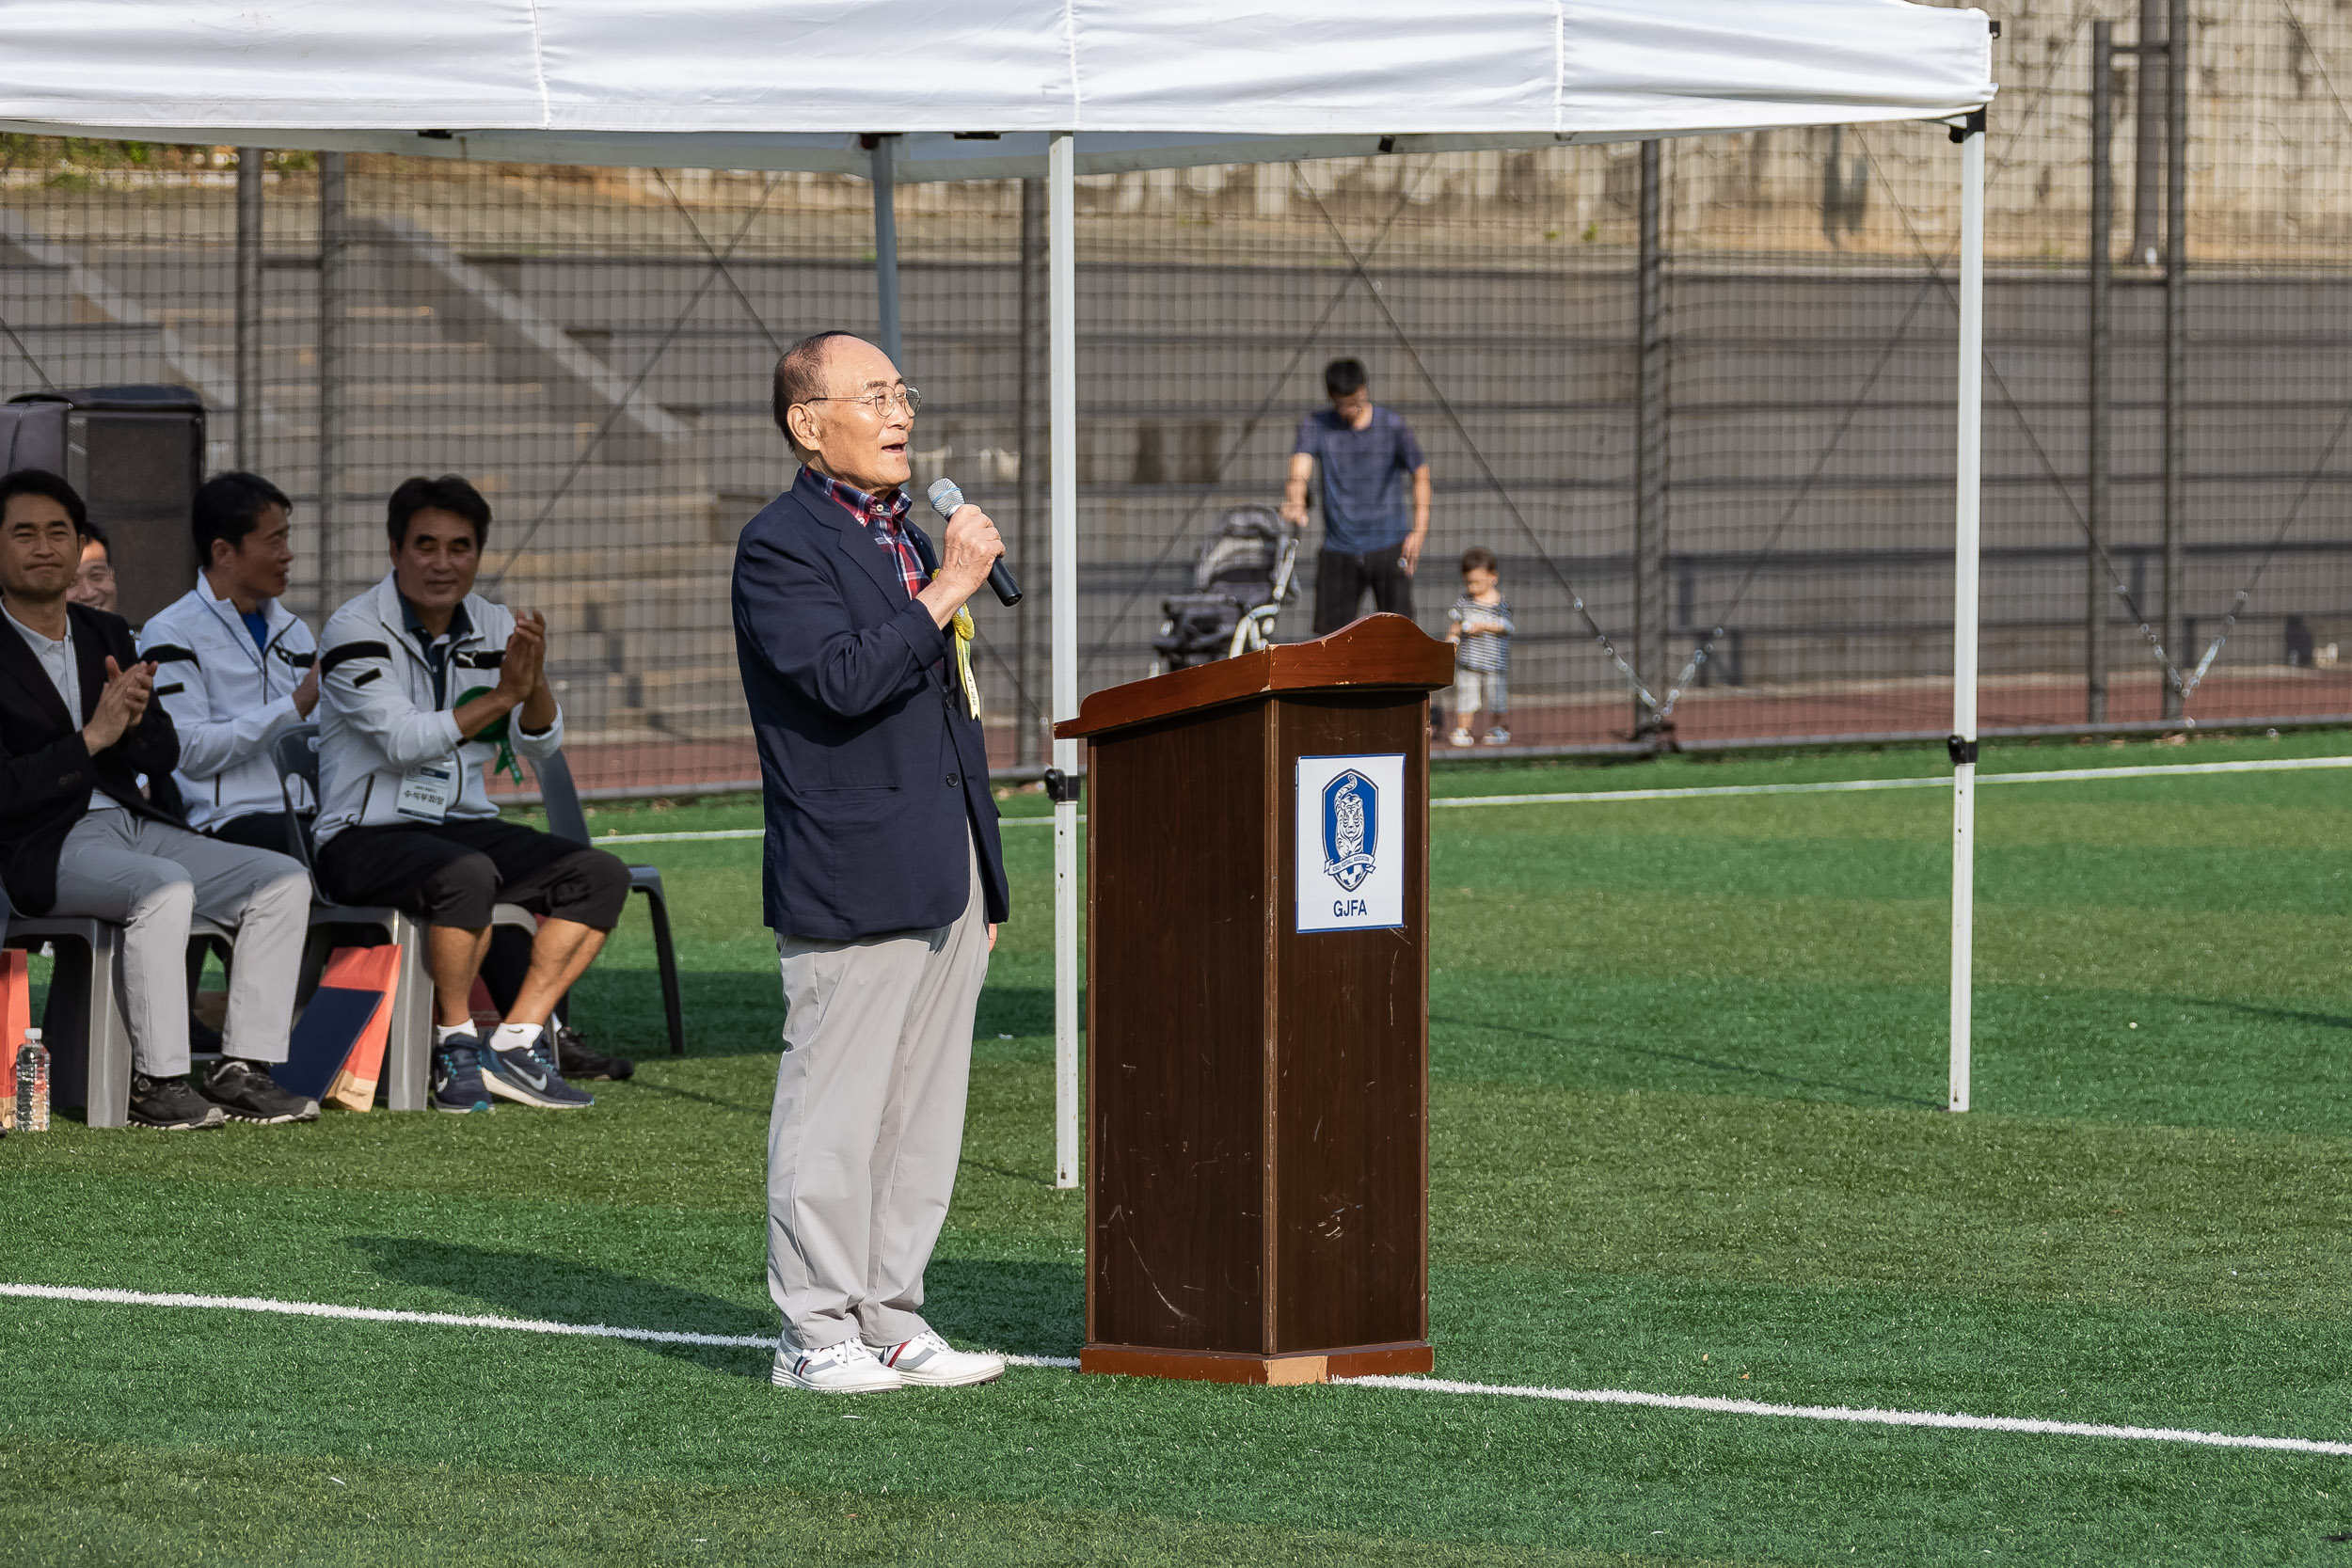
(1864, 1418)
(2066, 775)
(1699, 1402)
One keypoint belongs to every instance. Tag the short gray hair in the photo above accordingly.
(801, 373)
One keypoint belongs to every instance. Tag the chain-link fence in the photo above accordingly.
(1729, 489)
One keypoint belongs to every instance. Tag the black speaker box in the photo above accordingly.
(137, 454)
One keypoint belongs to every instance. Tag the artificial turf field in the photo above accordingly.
(1688, 1056)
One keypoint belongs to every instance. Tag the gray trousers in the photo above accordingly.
(868, 1123)
(151, 878)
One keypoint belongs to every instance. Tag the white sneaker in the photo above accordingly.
(928, 1361)
(1460, 737)
(848, 1367)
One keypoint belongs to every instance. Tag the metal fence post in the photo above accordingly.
(250, 238)
(2148, 147)
(1649, 458)
(2175, 344)
(2097, 432)
(334, 245)
(1029, 734)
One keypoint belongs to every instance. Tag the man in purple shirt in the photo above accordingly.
(1369, 540)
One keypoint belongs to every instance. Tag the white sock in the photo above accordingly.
(515, 1036)
(443, 1032)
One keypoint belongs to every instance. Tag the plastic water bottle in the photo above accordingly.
(32, 1084)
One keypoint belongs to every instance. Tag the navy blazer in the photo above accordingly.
(876, 771)
(47, 773)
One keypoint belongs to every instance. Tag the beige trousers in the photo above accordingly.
(153, 878)
(868, 1123)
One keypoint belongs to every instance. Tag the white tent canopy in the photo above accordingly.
(228, 69)
(995, 88)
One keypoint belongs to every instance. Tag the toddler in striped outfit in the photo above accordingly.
(1481, 631)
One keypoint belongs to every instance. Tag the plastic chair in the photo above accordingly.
(83, 1025)
(565, 821)
(408, 1046)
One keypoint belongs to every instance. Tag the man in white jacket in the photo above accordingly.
(233, 667)
(424, 685)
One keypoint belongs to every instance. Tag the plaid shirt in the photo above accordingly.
(885, 519)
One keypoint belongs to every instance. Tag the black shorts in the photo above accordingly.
(1341, 580)
(452, 874)
(260, 830)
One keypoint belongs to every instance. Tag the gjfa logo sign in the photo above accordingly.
(1350, 833)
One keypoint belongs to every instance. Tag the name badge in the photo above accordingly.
(427, 789)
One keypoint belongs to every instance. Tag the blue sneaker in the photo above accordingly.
(529, 1076)
(457, 1086)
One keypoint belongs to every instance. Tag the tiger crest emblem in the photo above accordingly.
(1350, 829)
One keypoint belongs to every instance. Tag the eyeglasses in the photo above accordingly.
(878, 403)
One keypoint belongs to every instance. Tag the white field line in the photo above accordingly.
(679, 838)
(2065, 775)
(755, 832)
(1703, 1403)
(430, 1320)
(1865, 1417)
(2068, 775)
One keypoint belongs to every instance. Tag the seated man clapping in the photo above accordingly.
(424, 685)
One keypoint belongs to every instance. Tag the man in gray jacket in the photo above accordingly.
(424, 685)
(233, 667)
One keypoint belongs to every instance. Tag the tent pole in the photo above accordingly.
(886, 249)
(1062, 336)
(1969, 473)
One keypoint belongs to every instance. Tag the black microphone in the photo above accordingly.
(945, 498)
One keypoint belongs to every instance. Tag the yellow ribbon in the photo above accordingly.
(964, 632)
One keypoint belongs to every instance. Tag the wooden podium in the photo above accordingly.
(1258, 1012)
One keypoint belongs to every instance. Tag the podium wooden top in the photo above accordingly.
(1379, 651)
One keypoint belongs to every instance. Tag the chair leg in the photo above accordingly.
(665, 953)
(109, 1038)
(408, 1046)
(106, 1092)
(65, 1024)
(90, 1042)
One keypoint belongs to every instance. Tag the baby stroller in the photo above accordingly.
(1240, 585)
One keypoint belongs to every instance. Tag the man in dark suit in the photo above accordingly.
(79, 726)
(885, 879)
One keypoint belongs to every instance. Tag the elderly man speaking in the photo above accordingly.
(885, 879)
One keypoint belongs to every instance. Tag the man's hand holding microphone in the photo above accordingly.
(971, 552)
